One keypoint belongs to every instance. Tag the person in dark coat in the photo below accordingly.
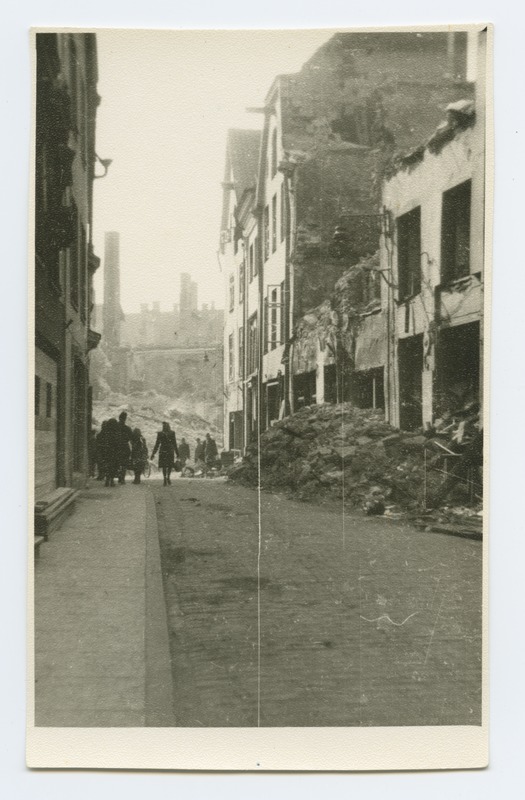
(166, 444)
(139, 454)
(210, 451)
(124, 446)
(112, 444)
(184, 451)
(101, 451)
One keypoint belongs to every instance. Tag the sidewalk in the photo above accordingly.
(101, 638)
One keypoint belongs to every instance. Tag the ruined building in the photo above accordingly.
(303, 208)
(66, 104)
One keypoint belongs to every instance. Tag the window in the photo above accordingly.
(232, 291)
(265, 325)
(37, 395)
(255, 256)
(273, 319)
(283, 213)
(409, 253)
(266, 233)
(242, 270)
(282, 332)
(274, 153)
(455, 233)
(251, 264)
(252, 344)
(274, 223)
(231, 366)
(241, 352)
(49, 399)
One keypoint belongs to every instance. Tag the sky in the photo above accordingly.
(168, 99)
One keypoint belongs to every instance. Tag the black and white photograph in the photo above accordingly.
(259, 288)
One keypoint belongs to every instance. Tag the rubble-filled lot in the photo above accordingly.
(339, 452)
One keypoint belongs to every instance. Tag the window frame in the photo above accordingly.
(408, 264)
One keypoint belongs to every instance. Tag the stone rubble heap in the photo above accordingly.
(339, 452)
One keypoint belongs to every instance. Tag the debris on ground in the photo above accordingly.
(340, 452)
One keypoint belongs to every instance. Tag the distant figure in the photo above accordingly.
(166, 444)
(139, 454)
(102, 451)
(210, 452)
(124, 446)
(184, 452)
(112, 437)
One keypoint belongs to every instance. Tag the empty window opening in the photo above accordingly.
(455, 233)
(409, 253)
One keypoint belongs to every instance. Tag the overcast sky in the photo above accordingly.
(168, 98)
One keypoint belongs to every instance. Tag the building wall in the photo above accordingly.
(66, 102)
(439, 304)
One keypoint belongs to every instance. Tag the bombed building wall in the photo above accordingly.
(335, 208)
(343, 341)
(376, 89)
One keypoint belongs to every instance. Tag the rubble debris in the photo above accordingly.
(340, 452)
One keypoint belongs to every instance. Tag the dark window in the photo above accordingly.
(37, 395)
(409, 253)
(241, 282)
(283, 213)
(251, 263)
(282, 333)
(231, 368)
(346, 126)
(266, 233)
(252, 344)
(256, 256)
(232, 291)
(273, 319)
(265, 325)
(49, 399)
(274, 223)
(455, 233)
(274, 153)
(241, 352)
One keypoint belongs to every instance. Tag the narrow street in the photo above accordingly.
(368, 623)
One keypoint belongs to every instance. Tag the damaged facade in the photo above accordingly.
(66, 103)
(309, 249)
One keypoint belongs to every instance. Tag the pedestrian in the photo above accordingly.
(112, 443)
(184, 452)
(101, 451)
(139, 454)
(210, 452)
(124, 446)
(166, 444)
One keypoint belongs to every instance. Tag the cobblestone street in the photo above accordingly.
(362, 622)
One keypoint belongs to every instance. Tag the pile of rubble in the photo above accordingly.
(330, 452)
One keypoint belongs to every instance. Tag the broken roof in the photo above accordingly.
(460, 116)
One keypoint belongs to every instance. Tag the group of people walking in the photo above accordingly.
(118, 448)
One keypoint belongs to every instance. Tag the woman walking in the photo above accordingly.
(112, 444)
(166, 444)
(139, 454)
